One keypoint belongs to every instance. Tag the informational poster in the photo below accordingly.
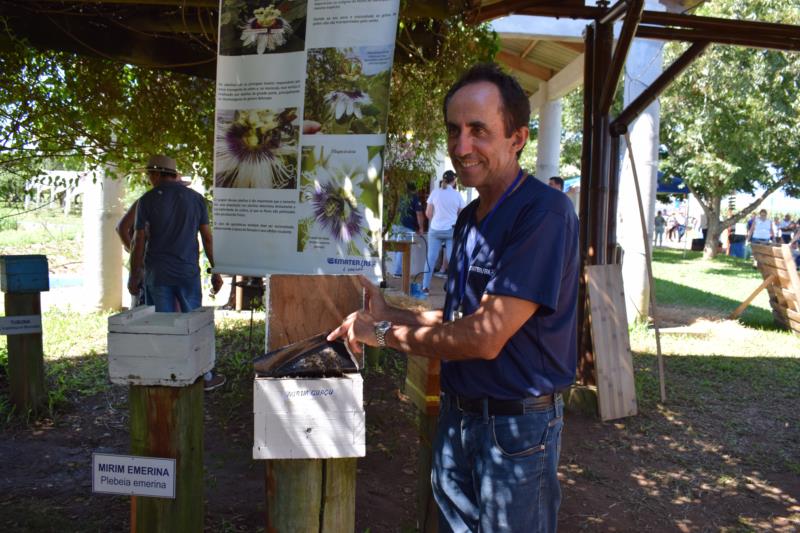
(302, 105)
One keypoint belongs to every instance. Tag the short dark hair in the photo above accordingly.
(449, 176)
(516, 107)
(558, 180)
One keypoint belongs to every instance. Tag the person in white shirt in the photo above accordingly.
(444, 205)
(761, 231)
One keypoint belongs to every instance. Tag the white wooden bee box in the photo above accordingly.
(168, 349)
(309, 418)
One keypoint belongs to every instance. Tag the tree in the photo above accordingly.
(729, 122)
(83, 111)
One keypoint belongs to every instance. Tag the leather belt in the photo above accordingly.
(503, 407)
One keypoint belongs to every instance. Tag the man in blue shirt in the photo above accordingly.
(173, 215)
(507, 333)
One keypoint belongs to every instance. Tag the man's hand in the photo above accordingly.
(374, 303)
(216, 283)
(357, 328)
(134, 283)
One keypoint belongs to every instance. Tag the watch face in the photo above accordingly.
(383, 326)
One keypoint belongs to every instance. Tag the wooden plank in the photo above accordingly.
(296, 490)
(768, 260)
(791, 268)
(26, 357)
(794, 315)
(611, 345)
(766, 250)
(168, 422)
(764, 284)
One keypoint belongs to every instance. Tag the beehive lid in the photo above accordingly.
(145, 320)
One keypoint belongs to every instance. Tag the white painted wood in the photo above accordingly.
(168, 349)
(309, 418)
(144, 319)
(559, 85)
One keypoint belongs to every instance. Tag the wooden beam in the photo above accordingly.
(531, 69)
(620, 125)
(108, 3)
(575, 47)
(739, 310)
(774, 42)
(560, 84)
(528, 48)
(626, 33)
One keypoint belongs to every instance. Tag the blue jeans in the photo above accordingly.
(497, 473)
(435, 240)
(182, 297)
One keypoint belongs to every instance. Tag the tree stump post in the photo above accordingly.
(162, 358)
(309, 495)
(168, 422)
(23, 278)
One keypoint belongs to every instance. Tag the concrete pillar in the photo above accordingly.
(644, 65)
(102, 249)
(548, 144)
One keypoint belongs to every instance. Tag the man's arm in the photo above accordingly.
(137, 262)
(480, 335)
(208, 248)
(421, 222)
(125, 226)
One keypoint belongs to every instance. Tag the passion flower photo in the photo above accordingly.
(347, 89)
(338, 194)
(257, 148)
(249, 27)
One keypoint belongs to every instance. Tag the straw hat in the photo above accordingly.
(161, 163)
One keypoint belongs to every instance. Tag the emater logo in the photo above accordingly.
(351, 262)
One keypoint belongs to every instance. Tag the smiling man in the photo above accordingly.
(507, 333)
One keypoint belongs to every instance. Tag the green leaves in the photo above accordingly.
(729, 122)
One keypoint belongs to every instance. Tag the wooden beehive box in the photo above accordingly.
(168, 349)
(422, 383)
(24, 273)
(309, 418)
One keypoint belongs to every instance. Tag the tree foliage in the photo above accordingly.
(84, 111)
(729, 122)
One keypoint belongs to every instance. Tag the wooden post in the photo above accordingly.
(22, 279)
(26, 357)
(168, 422)
(162, 357)
(309, 495)
(422, 387)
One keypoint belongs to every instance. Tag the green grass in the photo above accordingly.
(43, 231)
(685, 279)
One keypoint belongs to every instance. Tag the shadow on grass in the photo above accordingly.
(670, 293)
(720, 454)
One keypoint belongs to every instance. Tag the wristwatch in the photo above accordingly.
(380, 332)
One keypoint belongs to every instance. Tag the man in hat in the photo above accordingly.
(169, 265)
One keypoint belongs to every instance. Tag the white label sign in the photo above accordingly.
(20, 325)
(137, 476)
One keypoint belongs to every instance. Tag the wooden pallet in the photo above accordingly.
(777, 266)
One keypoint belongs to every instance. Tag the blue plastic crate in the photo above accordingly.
(24, 273)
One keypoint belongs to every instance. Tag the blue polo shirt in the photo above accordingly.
(529, 250)
(174, 213)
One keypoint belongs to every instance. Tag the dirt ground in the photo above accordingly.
(623, 476)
